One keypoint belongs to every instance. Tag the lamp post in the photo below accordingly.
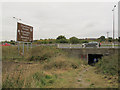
(113, 24)
(107, 37)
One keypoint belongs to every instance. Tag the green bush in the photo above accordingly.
(74, 40)
(61, 39)
(108, 65)
(84, 41)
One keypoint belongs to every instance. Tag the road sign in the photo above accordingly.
(24, 33)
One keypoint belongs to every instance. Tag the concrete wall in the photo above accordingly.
(83, 52)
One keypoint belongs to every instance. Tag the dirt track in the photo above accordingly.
(88, 78)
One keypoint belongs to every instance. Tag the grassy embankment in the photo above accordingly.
(48, 67)
(108, 67)
(40, 67)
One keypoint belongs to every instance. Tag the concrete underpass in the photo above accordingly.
(94, 58)
(90, 54)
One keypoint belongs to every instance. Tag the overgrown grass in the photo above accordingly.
(37, 80)
(108, 65)
(62, 62)
(42, 53)
(30, 76)
(13, 81)
(55, 70)
(39, 53)
(10, 53)
(42, 80)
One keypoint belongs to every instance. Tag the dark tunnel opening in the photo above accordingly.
(94, 58)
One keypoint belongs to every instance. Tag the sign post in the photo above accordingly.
(27, 46)
(23, 48)
(31, 44)
(24, 34)
(18, 47)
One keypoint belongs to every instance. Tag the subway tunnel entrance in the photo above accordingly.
(94, 58)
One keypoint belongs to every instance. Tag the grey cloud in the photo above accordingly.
(51, 19)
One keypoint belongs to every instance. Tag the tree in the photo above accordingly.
(109, 39)
(74, 40)
(119, 39)
(12, 42)
(61, 39)
(84, 41)
(102, 38)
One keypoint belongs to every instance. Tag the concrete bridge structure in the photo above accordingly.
(89, 54)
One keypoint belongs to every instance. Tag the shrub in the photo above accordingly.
(84, 41)
(61, 39)
(108, 65)
(74, 40)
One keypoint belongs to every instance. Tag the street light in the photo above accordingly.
(18, 19)
(107, 35)
(113, 24)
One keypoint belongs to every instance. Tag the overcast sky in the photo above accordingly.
(51, 19)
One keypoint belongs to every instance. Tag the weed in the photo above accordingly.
(62, 62)
(13, 82)
(43, 80)
(79, 80)
(88, 80)
(92, 85)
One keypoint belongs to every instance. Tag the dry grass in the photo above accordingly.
(48, 67)
(62, 62)
(32, 74)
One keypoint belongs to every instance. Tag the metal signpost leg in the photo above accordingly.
(71, 45)
(28, 34)
(27, 47)
(31, 45)
(23, 48)
(18, 48)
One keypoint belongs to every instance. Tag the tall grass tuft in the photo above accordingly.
(10, 53)
(42, 53)
(62, 62)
